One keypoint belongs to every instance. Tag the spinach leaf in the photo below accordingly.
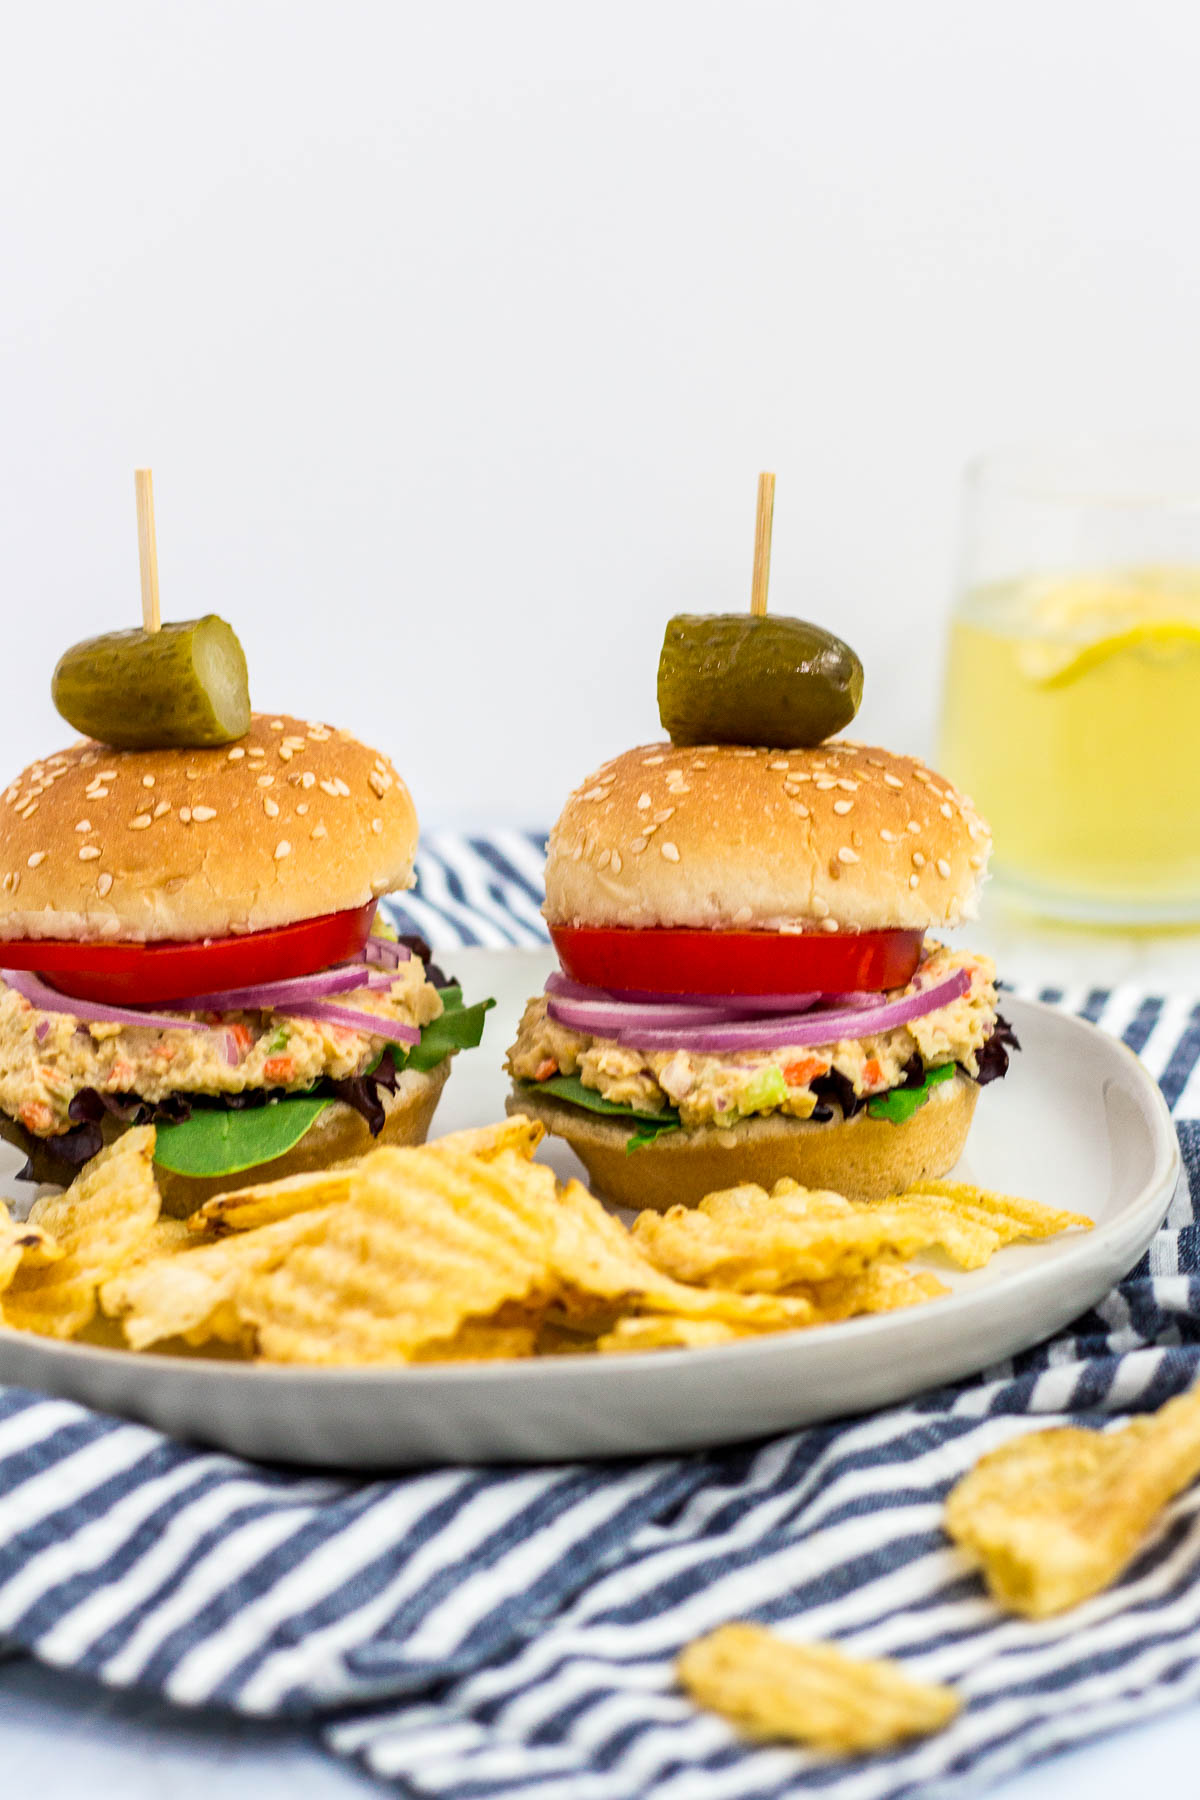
(217, 1142)
(646, 1125)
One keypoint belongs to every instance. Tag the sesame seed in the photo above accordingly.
(327, 787)
(302, 809)
(922, 775)
(825, 782)
(319, 735)
(308, 779)
(28, 811)
(893, 781)
(104, 883)
(576, 853)
(843, 806)
(107, 775)
(638, 844)
(285, 753)
(846, 855)
(265, 781)
(913, 826)
(320, 831)
(340, 787)
(185, 813)
(913, 881)
(237, 753)
(276, 724)
(256, 750)
(799, 775)
(282, 849)
(191, 774)
(668, 812)
(147, 781)
(377, 784)
(946, 810)
(84, 825)
(97, 793)
(616, 862)
(604, 859)
(799, 807)
(669, 850)
(11, 882)
(644, 802)
(820, 906)
(847, 786)
(650, 762)
(778, 765)
(829, 924)
(88, 851)
(39, 856)
(976, 862)
(889, 837)
(699, 765)
(271, 807)
(294, 743)
(140, 823)
(164, 806)
(943, 868)
(204, 813)
(376, 824)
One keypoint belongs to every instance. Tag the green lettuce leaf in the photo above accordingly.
(646, 1125)
(216, 1141)
(901, 1103)
(459, 1028)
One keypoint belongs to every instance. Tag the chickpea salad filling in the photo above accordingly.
(720, 1089)
(48, 1058)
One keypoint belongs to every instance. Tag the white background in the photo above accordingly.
(456, 334)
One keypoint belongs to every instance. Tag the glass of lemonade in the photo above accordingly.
(1071, 710)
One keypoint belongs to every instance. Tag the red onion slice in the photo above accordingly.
(48, 999)
(325, 1012)
(801, 1029)
(264, 996)
(607, 1018)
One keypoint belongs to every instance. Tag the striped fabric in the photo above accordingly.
(476, 1634)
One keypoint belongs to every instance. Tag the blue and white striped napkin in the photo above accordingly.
(508, 1634)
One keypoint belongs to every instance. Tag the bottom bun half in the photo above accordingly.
(338, 1135)
(862, 1158)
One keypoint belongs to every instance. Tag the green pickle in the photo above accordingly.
(738, 678)
(181, 687)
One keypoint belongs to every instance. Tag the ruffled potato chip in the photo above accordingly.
(20, 1240)
(97, 1225)
(428, 1240)
(809, 1693)
(596, 1258)
(190, 1290)
(1054, 1517)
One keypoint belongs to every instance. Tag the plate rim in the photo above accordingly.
(1160, 1185)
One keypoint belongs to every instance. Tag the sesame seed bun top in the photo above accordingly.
(294, 820)
(736, 838)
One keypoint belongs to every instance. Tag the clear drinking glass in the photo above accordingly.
(1071, 709)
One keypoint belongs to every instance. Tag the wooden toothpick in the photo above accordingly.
(147, 549)
(762, 545)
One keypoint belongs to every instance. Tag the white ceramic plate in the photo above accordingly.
(1078, 1123)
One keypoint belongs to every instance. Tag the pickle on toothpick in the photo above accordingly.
(181, 686)
(747, 678)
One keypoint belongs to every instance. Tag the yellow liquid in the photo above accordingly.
(1072, 716)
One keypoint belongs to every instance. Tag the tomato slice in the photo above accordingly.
(665, 960)
(144, 974)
